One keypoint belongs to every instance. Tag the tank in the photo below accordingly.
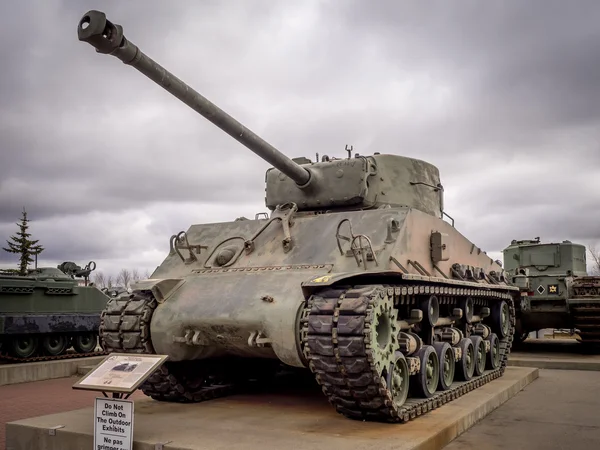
(48, 312)
(353, 277)
(556, 291)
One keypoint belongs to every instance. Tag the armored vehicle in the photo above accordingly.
(353, 276)
(48, 311)
(556, 291)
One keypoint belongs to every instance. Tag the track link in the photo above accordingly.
(7, 357)
(336, 342)
(336, 348)
(125, 328)
(586, 310)
(586, 319)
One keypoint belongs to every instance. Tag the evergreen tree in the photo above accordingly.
(23, 245)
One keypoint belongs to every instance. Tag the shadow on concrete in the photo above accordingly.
(565, 346)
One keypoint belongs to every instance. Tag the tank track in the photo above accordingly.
(125, 328)
(338, 350)
(586, 319)
(7, 357)
(586, 312)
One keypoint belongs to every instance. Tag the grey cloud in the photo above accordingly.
(99, 135)
(115, 235)
(494, 95)
(516, 68)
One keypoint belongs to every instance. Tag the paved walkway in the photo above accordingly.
(558, 411)
(24, 400)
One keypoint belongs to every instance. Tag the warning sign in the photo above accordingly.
(113, 424)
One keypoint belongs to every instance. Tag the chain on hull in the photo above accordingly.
(339, 355)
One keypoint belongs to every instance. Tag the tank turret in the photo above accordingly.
(357, 182)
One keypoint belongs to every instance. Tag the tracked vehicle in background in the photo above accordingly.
(556, 291)
(354, 276)
(49, 311)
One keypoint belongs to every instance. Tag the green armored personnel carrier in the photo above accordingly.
(48, 311)
(354, 276)
(556, 291)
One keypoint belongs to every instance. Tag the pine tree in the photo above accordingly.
(23, 245)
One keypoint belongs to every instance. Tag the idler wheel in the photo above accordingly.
(23, 346)
(447, 364)
(466, 365)
(55, 344)
(500, 316)
(493, 357)
(480, 355)
(426, 381)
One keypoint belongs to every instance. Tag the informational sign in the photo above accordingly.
(113, 424)
(120, 372)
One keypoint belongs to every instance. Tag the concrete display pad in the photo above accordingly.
(43, 370)
(302, 420)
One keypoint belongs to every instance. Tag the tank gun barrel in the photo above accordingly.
(108, 38)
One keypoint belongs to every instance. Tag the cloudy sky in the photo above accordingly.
(504, 98)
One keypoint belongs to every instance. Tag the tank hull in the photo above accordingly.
(261, 292)
(225, 310)
(251, 291)
(42, 318)
(576, 308)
